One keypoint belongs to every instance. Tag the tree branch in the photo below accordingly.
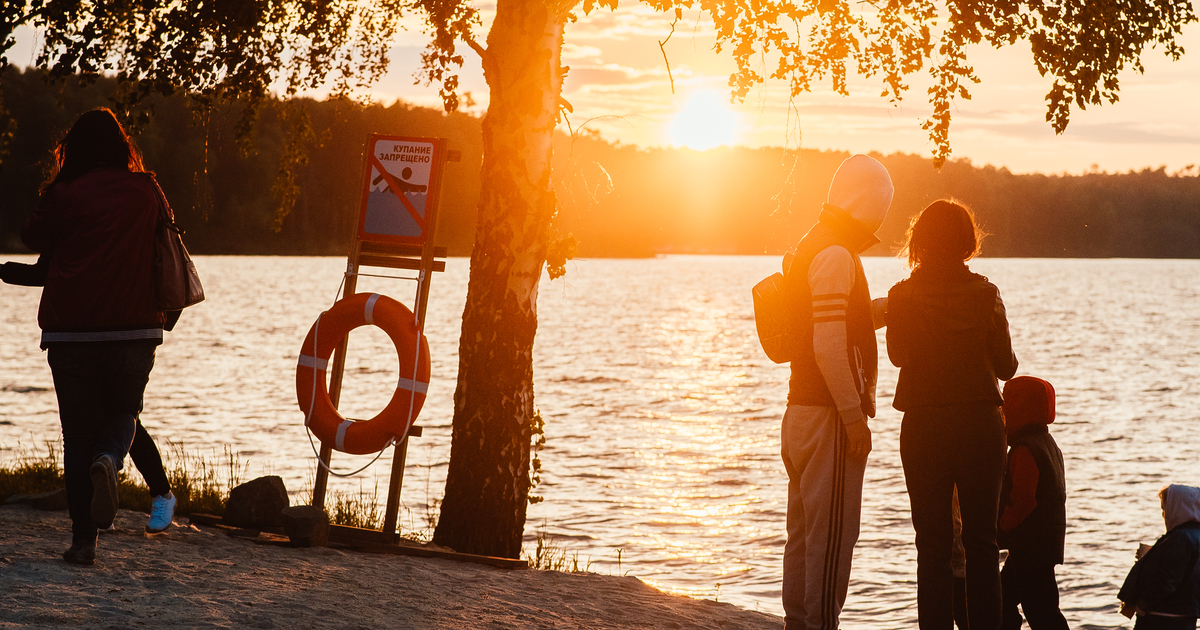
(662, 47)
(479, 50)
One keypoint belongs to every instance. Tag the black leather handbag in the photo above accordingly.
(176, 282)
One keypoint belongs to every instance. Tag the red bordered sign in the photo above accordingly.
(400, 188)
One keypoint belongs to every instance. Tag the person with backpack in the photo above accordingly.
(825, 439)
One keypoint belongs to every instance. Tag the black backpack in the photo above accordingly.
(772, 317)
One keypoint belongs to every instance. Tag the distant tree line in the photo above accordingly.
(226, 188)
(293, 185)
(754, 201)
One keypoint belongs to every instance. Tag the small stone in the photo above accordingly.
(306, 525)
(257, 503)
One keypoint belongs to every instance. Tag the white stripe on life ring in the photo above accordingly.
(410, 385)
(369, 309)
(340, 441)
(313, 362)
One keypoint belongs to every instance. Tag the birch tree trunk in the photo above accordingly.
(487, 484)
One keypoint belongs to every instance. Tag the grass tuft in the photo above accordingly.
(32, 474)
(548, 555)
(356, 509)
(200, 484)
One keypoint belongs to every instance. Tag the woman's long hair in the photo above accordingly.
(945, 231)
(95, 140)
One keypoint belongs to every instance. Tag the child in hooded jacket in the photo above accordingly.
(1163, 587)
(1032, 507)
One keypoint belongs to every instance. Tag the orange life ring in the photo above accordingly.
(363, 436)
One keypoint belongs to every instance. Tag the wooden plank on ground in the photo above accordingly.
(426, 552)
(364, 540)
(212, 520)
(354, 535)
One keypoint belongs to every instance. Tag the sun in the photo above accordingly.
(704, 122)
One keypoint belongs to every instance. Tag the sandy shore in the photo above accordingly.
(201, 577)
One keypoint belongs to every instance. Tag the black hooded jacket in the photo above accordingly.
(947, 331)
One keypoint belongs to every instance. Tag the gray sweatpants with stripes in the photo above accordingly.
(824, 503)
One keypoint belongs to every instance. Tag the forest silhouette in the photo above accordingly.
(227, 187)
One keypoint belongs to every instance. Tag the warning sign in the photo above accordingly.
(400, 188)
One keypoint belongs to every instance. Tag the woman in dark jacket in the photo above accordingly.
(948, 333)
(95, 224)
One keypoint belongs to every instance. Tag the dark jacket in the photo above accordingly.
(948, 333)
(1041, 535)
(1167, 578)
(98, 233)
(807, 385)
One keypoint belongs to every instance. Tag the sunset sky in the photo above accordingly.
(618, 79)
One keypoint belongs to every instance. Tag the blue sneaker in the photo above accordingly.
(161, 513)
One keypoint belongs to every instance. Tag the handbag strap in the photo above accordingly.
(164, 209)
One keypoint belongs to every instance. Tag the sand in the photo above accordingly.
(195, 576)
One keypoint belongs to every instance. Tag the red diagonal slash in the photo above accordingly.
(394, 186)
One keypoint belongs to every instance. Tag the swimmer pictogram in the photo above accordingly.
(404, 184)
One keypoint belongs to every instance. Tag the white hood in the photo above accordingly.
(862, 187)
(1181, 504)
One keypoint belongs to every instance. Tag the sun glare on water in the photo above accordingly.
(704, 122)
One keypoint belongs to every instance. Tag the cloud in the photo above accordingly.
(636, 21)
(1131, 133)
(608, 74)
(575, 51)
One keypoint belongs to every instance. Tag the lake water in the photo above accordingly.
(662, 413)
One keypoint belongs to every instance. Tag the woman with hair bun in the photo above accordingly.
(94, 226)
(947, 331)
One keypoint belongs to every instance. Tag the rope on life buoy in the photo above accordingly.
(404, 328)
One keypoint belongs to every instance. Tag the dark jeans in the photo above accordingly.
(1032, 585)
(148, 461)
(942, 447)
(99, 387)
